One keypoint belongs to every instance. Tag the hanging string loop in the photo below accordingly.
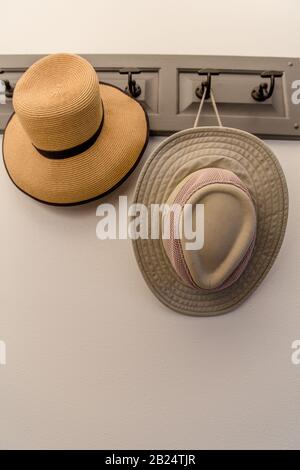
(213, 101)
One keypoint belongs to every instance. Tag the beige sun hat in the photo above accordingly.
(242, 188)
(71, 139)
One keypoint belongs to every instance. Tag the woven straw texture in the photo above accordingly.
(58, 102)
(257, 167)
(58, 106)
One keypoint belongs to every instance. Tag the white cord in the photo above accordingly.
(196, 123)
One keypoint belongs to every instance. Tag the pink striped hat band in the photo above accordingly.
(229, 229)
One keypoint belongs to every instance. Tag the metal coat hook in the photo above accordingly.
(132, 88)
(263, 91)
(9, 89)
(206, 85)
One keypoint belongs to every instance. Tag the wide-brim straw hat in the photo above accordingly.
(71, 140)
(199, 160)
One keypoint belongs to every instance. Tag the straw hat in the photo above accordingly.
(242, 188)
(71, 139)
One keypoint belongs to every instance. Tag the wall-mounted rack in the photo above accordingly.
(252, 93)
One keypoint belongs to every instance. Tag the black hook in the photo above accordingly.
(9, 89)
(206, 84)
(263, 91)
(132, 88)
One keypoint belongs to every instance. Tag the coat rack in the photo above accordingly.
(252, 93)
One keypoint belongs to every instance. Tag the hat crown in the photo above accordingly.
(229, 229)
(58, 102)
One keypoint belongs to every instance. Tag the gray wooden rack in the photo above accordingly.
(252, 93)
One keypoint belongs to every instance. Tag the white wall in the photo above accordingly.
(93, 359)
(251, 27)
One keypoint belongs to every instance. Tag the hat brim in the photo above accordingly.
(91, 174)
(256, 165)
